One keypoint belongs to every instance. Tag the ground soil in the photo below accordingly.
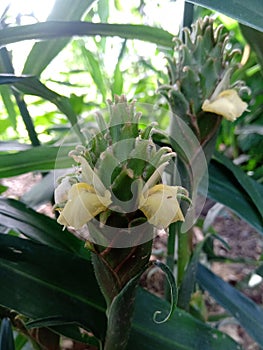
(242, 240)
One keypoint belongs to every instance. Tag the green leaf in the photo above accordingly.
(6, 335)
(254, 38)
(56, 29)
(189, 277)
(51, 283)
(32, 86)
(181, 332)
(93, 67)
(119, 316)
(225, 188)
(248, 313)
(42, 53)
(246, 12)
(63, 285)
(253, 189)
(40, 158)
(117, 85)
(40, 228)
(9, 105)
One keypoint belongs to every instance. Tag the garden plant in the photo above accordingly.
(123, 155)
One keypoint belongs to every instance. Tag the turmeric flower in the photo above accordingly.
(227, 103)
(160, 205)
(83, 205)
(84, 200)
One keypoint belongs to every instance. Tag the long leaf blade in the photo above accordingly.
(42, 53)
(246, 12)
(40, 228)
(40, 158)
(249, 314)
(49, 282)
(225, 188)
(56, 29)
(6, 335)
(64, 285)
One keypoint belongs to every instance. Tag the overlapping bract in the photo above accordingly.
(119, 175)
(202, 64)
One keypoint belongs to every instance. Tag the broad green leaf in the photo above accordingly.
(40, 228)
(42, 53)
(6, 335)
(254, 38)
(120, 314)
(253, 189)
(56, 29)
(59, 284)
(40, 158)
(50, 283)
(246, 12)
(181, 332)
(226, 189)
(248, 313)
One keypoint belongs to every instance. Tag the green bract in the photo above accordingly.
(119, 168)
(202, 65)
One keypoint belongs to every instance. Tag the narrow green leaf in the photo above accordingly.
(189, 277)
(56, 29)
(248, 313)
(40, 228)
(40, 158)
(117, 85)
(6, 335)
(9, 105)
(93, 67)
(32, 86)
(246, 12)
(42, 53)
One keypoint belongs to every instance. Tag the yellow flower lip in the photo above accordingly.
(83, 205)
(160, 205)
(227, 103)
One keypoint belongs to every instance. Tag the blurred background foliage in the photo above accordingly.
(89, 70)
(51, 83)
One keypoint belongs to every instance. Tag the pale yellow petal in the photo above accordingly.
(227, 103)
(160, 205)
(83, 205)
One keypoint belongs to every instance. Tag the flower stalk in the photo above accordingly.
(199, 94)
(116, 198)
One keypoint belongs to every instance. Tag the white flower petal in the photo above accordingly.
(227, 103)
(83, 205)
(160, 205)
(61, 192)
